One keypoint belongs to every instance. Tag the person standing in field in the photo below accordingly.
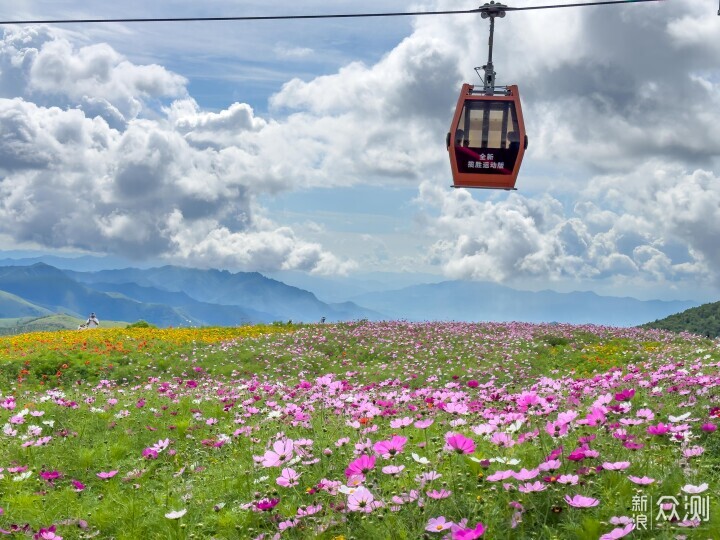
(92, 321)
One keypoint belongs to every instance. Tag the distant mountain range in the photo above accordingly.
(158, 295)
(480, 301)
(178, 296)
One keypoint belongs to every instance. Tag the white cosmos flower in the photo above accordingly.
(176, 514)
(419, 459)
(679, 418)
(694, 490)
(504, 461)
(516, 425)
(22, 476)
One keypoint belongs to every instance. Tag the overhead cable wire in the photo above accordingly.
(310, 17)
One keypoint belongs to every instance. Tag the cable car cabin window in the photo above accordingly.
(487, 139)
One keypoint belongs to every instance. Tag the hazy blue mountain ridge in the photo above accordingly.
(251, 290)
(50, 288)
(480, 301)
(172, 295)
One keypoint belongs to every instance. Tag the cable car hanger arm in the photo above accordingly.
(320, 16)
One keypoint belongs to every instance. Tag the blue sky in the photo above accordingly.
(318, 146)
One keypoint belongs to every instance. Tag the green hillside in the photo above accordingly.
(13, 306)
(703, 320)
(62, 321)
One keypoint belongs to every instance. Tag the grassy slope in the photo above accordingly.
(11, 304)
(49, 322)
(703, 320)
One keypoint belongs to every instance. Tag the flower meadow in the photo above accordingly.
(360, 430)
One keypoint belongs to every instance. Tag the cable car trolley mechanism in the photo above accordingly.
(487, 139)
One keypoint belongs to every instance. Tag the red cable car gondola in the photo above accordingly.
(487, 139)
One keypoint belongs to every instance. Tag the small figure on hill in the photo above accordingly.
(92, 321)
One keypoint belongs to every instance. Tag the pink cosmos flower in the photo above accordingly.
(551, 465)
(393, 469)
(438, 524)
(288, 524)
(618, 532)
(439, 494)
(524, 474)
(106, 475)
(500, 475)
(502, 439)
(642, 481)
(571, 479)
(528, 487)
(361, 500)
(422, 424)
(399, 423)
(459, 443)
(708, 427)
(616, 465)
(150, 453)
(693, 451)
(309, 510)
(360, 466)
(580, 501)
(388, 449)
(281, 453)
(288, 478)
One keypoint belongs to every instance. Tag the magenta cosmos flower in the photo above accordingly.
(361, 466)
(459, 443)
(78, 485)
(625, 395)
(50, 475)
(266, 504)
(390, 448)
(461, 533)
(47, 534)
(660, 429)
(580, 501)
